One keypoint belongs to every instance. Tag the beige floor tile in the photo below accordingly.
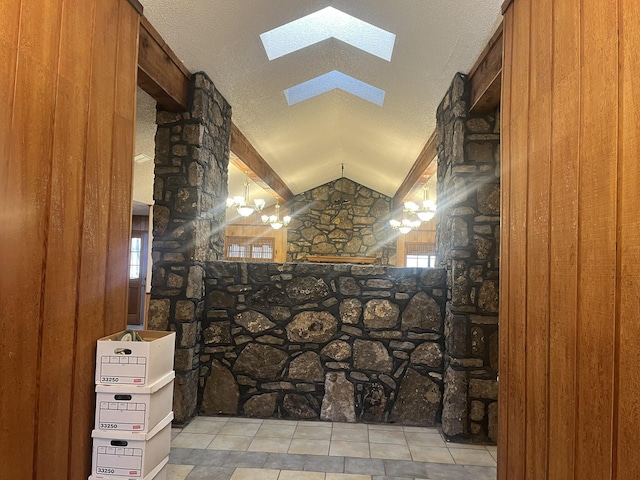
(392, 428)
(271, 445)
(297, 475)
(313, 433)
(349, 449)
(192, 440)
(279, 431)
(269, 421)
(346, 476)
(243, 429)
(472, 457)
(175, 432)
(204, 418)
(492, 448)
(389, 451)
(431, 454)
(204, 426)
(231, 442)
(424, 439)
(178, 472)
(387, 436)
(350, 426)
(349, 435)
(254, 474)
(466, 446)
(244, 420)
(309, 446)
(427, 430)
(494, 454)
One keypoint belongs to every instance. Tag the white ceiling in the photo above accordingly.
(306, 143)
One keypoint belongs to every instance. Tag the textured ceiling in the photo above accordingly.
(306, 143)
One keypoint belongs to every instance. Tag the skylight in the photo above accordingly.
(328, 23)
(330, 81)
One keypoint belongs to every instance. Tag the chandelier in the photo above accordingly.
(242, 203)
(424, 212)
(274, 220)
(405, 225)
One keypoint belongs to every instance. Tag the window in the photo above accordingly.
(247, 249)
(135, 258)
(421, 255)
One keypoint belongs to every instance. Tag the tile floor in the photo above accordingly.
(220, 448)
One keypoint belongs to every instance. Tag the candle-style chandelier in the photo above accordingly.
(242, 203)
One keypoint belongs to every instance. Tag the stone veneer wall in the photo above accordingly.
(341, 218)
(337, 342)
(468, 223)
(191, 161)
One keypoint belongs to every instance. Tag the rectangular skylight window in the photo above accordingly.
(328, 23)
(330, 81)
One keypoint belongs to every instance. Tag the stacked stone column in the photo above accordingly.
(468, 224)
(190, 190)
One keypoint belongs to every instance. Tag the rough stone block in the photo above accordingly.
(338, 404)
(380, 314)
(454, 403)
(185, 396)
(159, 311)
(418, 401)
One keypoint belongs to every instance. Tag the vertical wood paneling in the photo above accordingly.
(56, 193)
(505, 211)
(537, 260)
(588, 426)
(517, 297)
(564, 239)
(9, 28)
(122, 172)
(94, 244)
(24, 252)
(63, 239)
(628, 374)
(597, 239)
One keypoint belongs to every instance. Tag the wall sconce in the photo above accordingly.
(242, 204)
(274, 220)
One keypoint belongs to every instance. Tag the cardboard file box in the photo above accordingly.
(129, 455)
(158, 473)
(133, 409)
(134, 363)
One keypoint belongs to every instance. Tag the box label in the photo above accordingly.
(123, 369)
(119, 461)
(122, 416)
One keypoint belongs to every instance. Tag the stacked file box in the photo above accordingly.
(134, 394)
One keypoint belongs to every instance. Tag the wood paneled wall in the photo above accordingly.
(425, 234)
(252, 227)
(67, 113)
(570, 258)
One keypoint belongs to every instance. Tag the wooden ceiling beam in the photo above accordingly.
(160, 73)
(485, 77)
(249, 160)
(422, 170)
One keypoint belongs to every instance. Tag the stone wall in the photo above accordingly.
(190, 190)
(336, 342)
(468, 222)
(341, 218)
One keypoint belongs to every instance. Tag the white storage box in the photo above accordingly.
(134, 363)
(133, 409)
(158, 473)
(130, 455)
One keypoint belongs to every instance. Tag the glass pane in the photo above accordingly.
(135, 259)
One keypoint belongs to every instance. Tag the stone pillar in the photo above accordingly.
(190, 190)
(468, 224)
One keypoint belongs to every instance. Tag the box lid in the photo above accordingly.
(127, 435)
(137, 389)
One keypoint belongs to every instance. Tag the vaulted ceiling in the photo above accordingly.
(376, 133)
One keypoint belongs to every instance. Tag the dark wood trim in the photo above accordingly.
(485, 77)
(137, 6)
(160, 73)
(422, 170)
(506, 5)
(247, 159)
